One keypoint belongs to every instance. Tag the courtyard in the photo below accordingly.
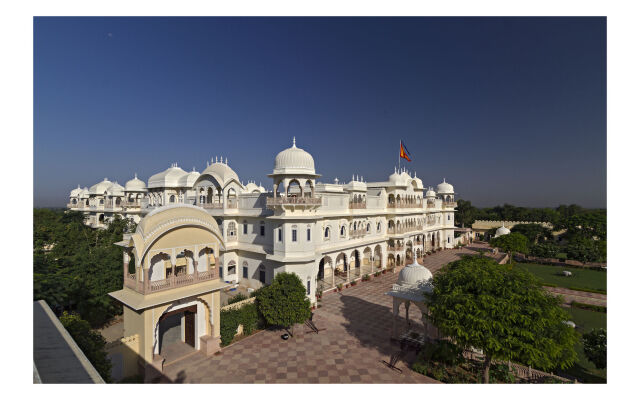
(354, 340)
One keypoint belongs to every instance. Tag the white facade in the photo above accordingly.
(327, 233)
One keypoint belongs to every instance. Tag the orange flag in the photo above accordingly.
(403, 152)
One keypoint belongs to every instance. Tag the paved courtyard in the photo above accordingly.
(357, 326)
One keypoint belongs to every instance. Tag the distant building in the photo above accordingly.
(481, 227)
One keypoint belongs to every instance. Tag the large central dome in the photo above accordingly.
(294, 161)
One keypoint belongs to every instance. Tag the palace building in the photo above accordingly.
(199, 233)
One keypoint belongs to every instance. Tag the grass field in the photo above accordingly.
(583, 369)
(580, 278)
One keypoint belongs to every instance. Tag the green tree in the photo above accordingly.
(505, 312)
(546, 250)
(284, 302)
(465, 213)
(90, 342)
(513, 242)
(533, 232)
(595, 347)
(583, 249)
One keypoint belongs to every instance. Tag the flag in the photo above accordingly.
(404, 153)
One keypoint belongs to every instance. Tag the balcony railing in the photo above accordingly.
(130, 204)
(221, 205)
(403, 204)
(446, 204)
(431, 205)
(292, 200)
(175, 281)
(357, 233)
(353, 205)
(395, 248)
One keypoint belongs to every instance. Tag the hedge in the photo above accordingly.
(247, 316)
(590, 307)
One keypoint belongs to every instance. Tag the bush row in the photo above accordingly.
(590, 307)
(247, 316)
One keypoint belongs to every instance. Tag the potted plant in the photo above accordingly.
(339, 287)
(353, 283)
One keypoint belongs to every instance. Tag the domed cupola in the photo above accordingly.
(294, 161)
(431, 194)
(135, 185)
(445, 188)
(101, 187)
(414, 274)
(115, 189)
(502, 231)
(75, 192)
(189, 179)
(397, 179)
(168, 178)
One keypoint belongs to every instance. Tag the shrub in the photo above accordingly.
(443, 352)
(247, 316)
(353, 283)
(237, 298)
(339, 286)
(501, 373)
(595, 347)
(591, 307)
(90, 342)
(284, 302)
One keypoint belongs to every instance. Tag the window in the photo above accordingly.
(263, 274)
(449, 239)
(244, 227)
(261, 228)
(308, 234)
(379, 226)
(172, 199)
(294, 234)
(326, 233)
(245, 271)
(232, 229)
(221, 269)
(448, 217)
(308, 286)
(343, 231)
(279, 234)
(368, 228)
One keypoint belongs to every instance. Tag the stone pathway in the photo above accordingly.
(357, 326)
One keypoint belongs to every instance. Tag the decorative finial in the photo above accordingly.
(294, 141)
(226, 161)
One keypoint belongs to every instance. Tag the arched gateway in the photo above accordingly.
(171, 295)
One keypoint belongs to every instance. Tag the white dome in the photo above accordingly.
(251, 187)
(396, 179)
(430, 192)
(502, 231)
(294, 161)
(414, 274)
(135, 185)
(167, 178)
(445, 188)
(418, 183)
(101, 188)
(189, 179)
(75, 192)
(84, 193)
(221, 172)
(115, 189)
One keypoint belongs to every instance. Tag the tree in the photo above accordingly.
(533, 232)
(503, 311)
(284, 302)
(546, 250)
(595, 347)
(90, 342)
(583, 249)
(465, 213)
(512, 242)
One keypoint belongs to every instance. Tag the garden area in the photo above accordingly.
(583, 369)
(590, 280)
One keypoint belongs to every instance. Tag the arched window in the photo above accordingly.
(244, 227)
(280, 234)
(245, 270)
(308, 286)
(172, 199)
(368, 228)
(262, 274)
(232, 229)
(326, 233)
(261, 228)
(343, 231)
(379, 227)
(308, 233)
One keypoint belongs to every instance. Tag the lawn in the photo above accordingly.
(581, 278)
(583, 369)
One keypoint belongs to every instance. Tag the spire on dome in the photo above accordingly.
(294, 142)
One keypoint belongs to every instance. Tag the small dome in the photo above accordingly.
(100, 188)
(444, 188)
(221, 172)
(167, 178)
(189, 179)
(135, 185)
(396, 179)
(75, 192)
(430, 192)
(294, 161)
(251, 188)
(502, 231)
(414, 274)
(116, 190)
(84, 193)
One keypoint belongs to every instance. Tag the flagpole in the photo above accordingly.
(399, 150)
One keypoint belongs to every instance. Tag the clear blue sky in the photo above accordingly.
(509, 110)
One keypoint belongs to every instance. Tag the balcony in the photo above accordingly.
(448, 204)
(403, 204)
(175, 281)
(293, 201)
(130, 204)
(354, 205)
(395, 248)
(431, 205)
(231, 204)
(357, 233)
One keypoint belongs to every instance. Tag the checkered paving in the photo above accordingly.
(357, 325)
